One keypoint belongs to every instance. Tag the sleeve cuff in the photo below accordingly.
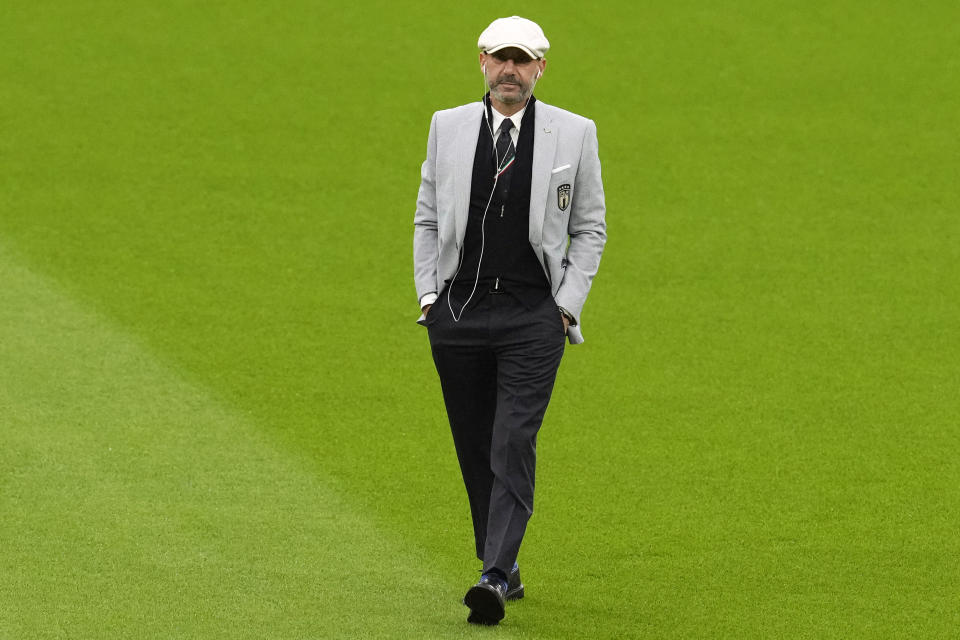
(428, 298)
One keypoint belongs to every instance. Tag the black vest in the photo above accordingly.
(508, 259)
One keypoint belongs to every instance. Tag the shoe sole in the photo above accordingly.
(485, 607)
(475, 619)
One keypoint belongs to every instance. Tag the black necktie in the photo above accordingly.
(506, 155)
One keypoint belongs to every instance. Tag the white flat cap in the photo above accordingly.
(514, 32)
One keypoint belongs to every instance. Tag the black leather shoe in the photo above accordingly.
(514, 585)
(473, 618)
(485, 600)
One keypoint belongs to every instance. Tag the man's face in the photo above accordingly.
(511, 74)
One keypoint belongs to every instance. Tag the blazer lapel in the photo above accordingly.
(544, 149)
(466, 146)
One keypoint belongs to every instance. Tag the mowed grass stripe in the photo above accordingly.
(135, 505)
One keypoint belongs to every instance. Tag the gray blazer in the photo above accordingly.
(567, 227)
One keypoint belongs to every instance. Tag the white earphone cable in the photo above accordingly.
(483, 224)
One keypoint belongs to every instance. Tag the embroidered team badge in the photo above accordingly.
(563, 196)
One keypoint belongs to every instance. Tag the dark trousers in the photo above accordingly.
(497, 367)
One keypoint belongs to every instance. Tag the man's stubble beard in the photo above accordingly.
(518, 98)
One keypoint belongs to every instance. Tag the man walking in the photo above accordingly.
(508, 234)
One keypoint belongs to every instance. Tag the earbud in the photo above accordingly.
(539, 73)
(484, 69)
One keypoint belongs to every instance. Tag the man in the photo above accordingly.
(508, 234)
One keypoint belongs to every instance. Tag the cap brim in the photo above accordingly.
(515, 45)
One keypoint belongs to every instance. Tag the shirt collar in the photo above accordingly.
(517, 118)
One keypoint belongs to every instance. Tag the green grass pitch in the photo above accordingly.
(219, 420)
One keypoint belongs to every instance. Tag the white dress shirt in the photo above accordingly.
(498, 119)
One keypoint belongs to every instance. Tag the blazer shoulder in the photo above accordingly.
(459, 114)
(563, 116)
